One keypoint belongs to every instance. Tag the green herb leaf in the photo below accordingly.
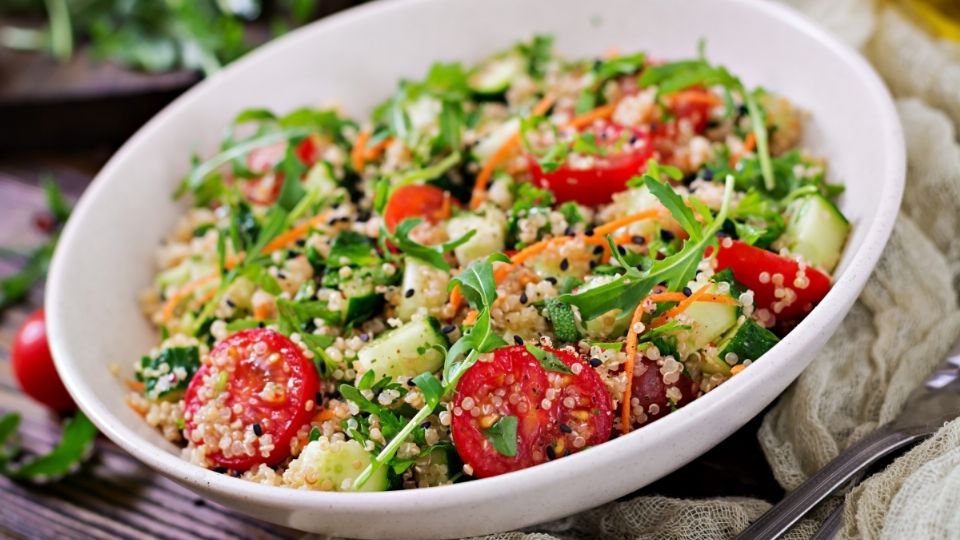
(477, 284)
(547, 359)
(351, 248)
(432, 255)
(167, 375)
(352, 394)
(430, 387)
(676, 205)
(56, 203)
(76, 443)
(503, 436)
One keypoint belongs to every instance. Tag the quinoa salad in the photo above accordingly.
(505, 264)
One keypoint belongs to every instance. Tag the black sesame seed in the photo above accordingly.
(220, 470)
(291, 254)
(448, 328)
(565, 428)
(742, 109)
(564, 264)
(551, 453)
(523, 297)
(235, 474)
(281, 275)
(332, 221)
(410, 382)
(301, 242)
(230, 303)
(588, 231)
(345, 219)
(257, 430)
(666, 235)
(552, 280)
(621, 250)
(318, 398)
(569, 231)
(364, 215)
(598, 250)
(425, 425)
(364, 337)
(335, 205)
(261, 324)
(595, 362)
(633, 138)
(638, 240)
(707, 174)
(408, 293)
(518, 340)
(687, 291)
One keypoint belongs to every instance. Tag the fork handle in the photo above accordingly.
(798, 502)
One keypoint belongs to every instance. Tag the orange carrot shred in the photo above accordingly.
(511, 144)
(628, 367)
(608, 228)
(471, 317)
(737, 369)
(136, 386)
(171, 304)
(600, 113)
(697, 296)
(359, 151)
(294, 234)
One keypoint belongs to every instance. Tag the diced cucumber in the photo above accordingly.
(406, 351)
(709, 321)
(816, 230)
(495, 139)
(494, 75)
(328, 464)
(361, 300)
(489, 238)
(320, 178)
(563, 321)
(748, 341)
(183, 273)
(429, 286)
(636, 200)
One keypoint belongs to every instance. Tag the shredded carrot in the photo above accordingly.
(535, 249)
(456, 297)
(748, 144)
(294, 234)
(471, 317)
(624, 221)
(377, 149)
(502, 272)
(359, 151)
(697, 296)
(600, 113)
(697, 97)
(480, 185)
(136, 386)
(171, 304)
(628, 367)
(324, 415)
(138, 407)
(261, 313)
(737, 369)
(207, 296)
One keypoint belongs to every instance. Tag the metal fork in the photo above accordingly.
(929, 406)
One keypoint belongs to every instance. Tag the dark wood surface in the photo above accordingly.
(114, 496)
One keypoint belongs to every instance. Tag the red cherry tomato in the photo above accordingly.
(267, 378)
(607, 175)
(694, 104)
(266, 188)
(33, 365)
(648, 387)
(417, 200)
(765, 273)
(578, 411)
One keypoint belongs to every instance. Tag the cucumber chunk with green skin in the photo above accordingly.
(423, 286)
(816, 230)
(493, 76)
(494, 140)
(709, 321)
(748, 341)
(333, 465)
(563, 321)
(611, 324)
(490, 236)
(408, 351)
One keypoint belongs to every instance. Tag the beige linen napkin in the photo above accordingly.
(898, 331)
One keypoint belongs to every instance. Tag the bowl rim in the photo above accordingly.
(845, 289)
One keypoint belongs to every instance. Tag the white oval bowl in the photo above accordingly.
(105, 255)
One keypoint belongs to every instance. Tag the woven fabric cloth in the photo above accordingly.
(899, 330)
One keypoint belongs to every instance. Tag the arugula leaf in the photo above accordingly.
(477, 284)
(538, 53)
(664, 329)
(291, 191)
(350, 393)
(547, 359)
(167, 375)
(426, 174)
(75, 445)
(16, 287)
(351, 248)
(430, 387)
(429, 254)
(503, 435)
(56, 203)
(676, 205)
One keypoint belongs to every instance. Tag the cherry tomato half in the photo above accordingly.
(557, 413)
(265, 189)
(267, 378)
(33, 365)
(648, 387)
(417, 200)
(765, 273)
(626, 155)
